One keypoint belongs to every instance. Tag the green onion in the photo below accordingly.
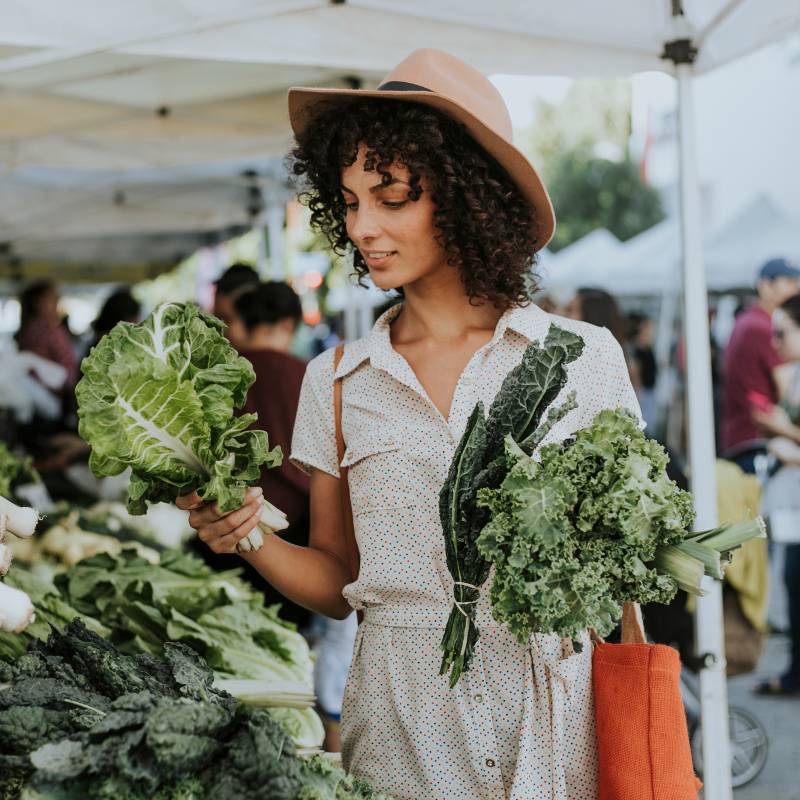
(706, 555)
(685, 569)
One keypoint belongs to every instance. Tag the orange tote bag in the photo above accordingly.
(642, 739)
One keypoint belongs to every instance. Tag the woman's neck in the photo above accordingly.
(441, 316)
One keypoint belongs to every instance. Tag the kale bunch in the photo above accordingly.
(518, 410)
(575, 534)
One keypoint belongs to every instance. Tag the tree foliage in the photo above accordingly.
(590, 192)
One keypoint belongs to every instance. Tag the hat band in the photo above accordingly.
(401, 86)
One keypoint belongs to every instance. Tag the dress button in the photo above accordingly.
(478, 698)
(489, 762)
(467, 380)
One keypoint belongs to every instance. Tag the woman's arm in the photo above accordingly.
(777, 422)
(312, 576)
(785, 450)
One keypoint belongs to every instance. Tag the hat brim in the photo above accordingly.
(304, 104)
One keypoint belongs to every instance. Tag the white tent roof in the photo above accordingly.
(120, 85)
(586, 262)
(760, 231)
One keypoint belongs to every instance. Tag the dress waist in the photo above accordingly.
(405, 616)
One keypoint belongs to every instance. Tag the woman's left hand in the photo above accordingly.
(775, 421)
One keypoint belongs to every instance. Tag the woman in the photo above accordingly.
(42, 331)
(421, 179)
(597, 307)
(782, 491)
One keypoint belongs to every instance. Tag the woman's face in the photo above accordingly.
(395, 235)
(786, 334)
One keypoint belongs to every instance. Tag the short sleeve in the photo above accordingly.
(607, 380)
(314, 436)
(619, 391)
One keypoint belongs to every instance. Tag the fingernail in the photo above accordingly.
(255, 491)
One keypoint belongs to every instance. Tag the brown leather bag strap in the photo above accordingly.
(632, 624)
(353, 558)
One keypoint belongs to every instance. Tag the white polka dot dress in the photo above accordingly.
(519, 725)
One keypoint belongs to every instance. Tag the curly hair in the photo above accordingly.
(483, 222)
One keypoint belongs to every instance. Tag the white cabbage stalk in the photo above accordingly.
(267, 694)
(272, 520)
(5, 558)
(19, 520)
(16, 609)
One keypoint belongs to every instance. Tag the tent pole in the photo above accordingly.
(702, 457)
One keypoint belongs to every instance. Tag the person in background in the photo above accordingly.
(120, 306)
(598, 307)
(749, 364)
(236, 280)
(640, 336)
(782, 490)
(268, 315)
(41, 332)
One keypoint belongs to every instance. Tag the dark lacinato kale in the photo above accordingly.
(457, 510)
(529, 389)
(81, 719)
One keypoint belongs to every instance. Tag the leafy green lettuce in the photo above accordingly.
(158, 397)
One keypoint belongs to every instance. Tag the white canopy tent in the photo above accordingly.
(119, 85)
(649, 263)
(590, 261)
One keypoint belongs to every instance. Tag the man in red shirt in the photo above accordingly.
(749, 361)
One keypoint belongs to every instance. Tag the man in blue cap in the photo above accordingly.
(749, 362)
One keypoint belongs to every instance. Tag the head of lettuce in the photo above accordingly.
(159, 397)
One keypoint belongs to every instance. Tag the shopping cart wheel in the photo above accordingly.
(749, 746)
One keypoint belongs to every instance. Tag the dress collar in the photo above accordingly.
(529, 321)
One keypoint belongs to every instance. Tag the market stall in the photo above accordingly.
(113, 91)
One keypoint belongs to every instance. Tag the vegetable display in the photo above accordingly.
(140, 606)
(14, 469)
(16, 608)
(52, 611)
(159, 397)
(572, 532)
(80, 719)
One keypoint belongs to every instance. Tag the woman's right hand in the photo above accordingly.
(222, 532)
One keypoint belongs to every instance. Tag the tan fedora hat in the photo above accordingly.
(446, 83)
